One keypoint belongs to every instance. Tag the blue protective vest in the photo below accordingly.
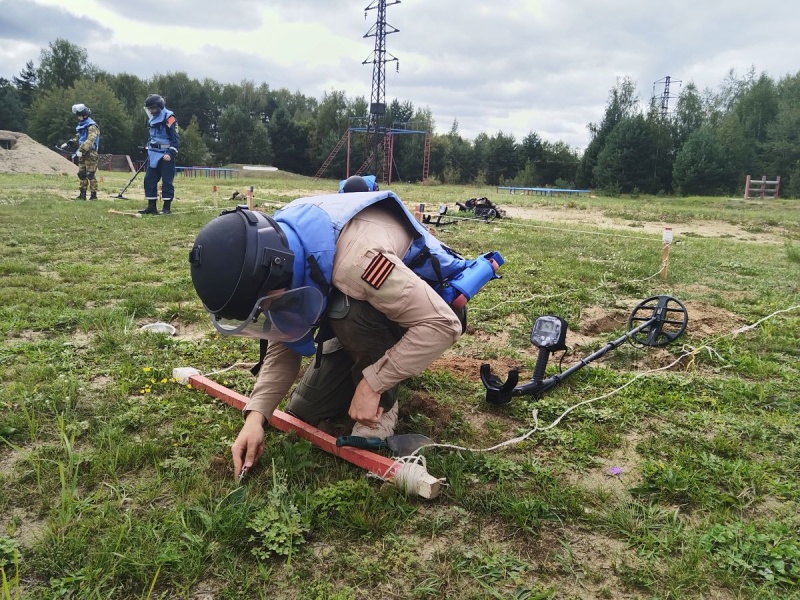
(83, 132)
(159, 141)
(312, 227)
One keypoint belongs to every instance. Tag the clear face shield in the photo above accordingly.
(284, 316)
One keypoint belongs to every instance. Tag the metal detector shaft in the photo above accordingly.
(139, 170)
(554, 380)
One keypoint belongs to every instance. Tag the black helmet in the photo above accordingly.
(237, 257)
(154, 100)
(355, 183)
(81, 110)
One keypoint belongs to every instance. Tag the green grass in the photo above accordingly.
(116, 482)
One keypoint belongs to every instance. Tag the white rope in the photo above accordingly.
(535, 414)
(407, 473)
(233, 366)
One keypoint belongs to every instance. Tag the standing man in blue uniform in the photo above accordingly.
(87, 139)
(162, 146)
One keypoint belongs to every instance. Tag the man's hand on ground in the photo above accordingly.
(364, 408)
(249, 444)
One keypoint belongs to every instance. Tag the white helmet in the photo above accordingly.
(81, 109)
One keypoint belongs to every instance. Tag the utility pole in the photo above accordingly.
(378, 59)
(664, 111)
(665, 97)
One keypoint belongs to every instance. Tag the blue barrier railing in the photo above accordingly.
(543, 191)
(213, 172)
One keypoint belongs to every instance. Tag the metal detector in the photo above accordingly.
(656, 321)
(69, 154)
(120, 196)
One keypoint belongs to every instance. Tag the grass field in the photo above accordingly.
(116, 480)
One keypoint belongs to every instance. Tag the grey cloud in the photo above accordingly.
(236, 15)
(35, 23)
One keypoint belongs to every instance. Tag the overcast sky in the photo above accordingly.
(505, 65)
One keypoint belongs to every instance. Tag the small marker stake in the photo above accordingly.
(666, 243)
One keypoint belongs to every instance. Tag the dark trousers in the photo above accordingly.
(165, 171)
(365, 335)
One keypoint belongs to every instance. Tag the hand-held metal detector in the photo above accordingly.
(69, 151)
(141, 168)
(656, 321)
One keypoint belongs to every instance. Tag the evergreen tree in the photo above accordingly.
(289, 142)
(700, 166)
(12, 113)
(623, 102)
(26, 84)
(627, 162)
(193, 150)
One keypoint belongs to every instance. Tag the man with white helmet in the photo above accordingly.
(87, 138)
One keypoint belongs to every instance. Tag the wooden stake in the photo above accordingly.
(666, 242)
(125, 214)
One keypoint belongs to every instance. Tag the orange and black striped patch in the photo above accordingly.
(377, 271)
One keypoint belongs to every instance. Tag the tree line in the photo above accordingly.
(706, 145)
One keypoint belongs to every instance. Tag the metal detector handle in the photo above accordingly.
(541, 365)
(498, 392)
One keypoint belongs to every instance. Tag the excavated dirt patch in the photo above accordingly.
(591, 217)
(21, 154)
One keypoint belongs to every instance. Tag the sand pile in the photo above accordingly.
(21, 154)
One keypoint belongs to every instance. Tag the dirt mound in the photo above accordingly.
(21, 154)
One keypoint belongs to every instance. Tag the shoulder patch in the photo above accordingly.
(171, 120)
(377, 271)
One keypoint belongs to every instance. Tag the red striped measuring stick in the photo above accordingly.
(377, 464)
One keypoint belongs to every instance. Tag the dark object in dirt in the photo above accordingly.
(482, 207)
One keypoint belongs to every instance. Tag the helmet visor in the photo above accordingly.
(283, 317)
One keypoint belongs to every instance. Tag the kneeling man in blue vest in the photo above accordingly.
(352, 278)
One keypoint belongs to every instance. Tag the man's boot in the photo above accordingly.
(81, 195)
(151, 208)
(93, 196)
(166, 209)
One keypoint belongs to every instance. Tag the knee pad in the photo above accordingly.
(90, 175)
(81, 174)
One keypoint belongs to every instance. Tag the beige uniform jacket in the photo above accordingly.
(431, 325)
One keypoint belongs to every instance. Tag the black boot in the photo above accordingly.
(151, 208)
(166, 210)
(93, 196)
(81, 195)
